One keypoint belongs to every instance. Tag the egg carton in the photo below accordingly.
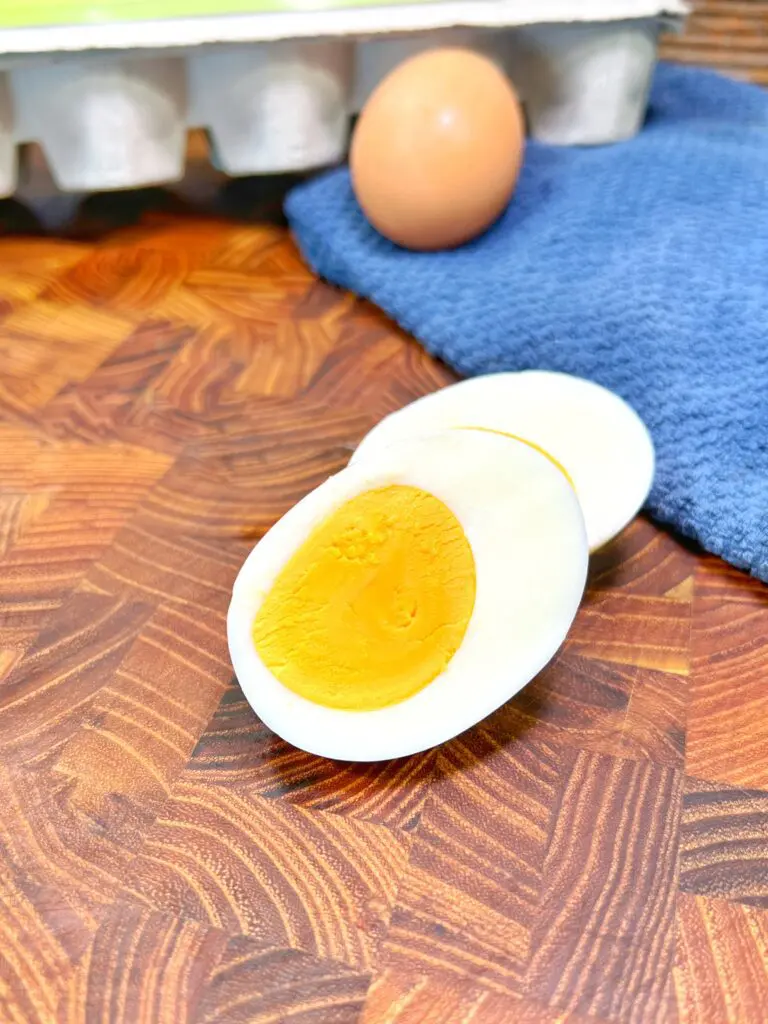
(110, 102)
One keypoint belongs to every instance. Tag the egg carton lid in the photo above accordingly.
(38, 26)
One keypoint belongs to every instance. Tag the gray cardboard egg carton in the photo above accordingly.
(111, 105)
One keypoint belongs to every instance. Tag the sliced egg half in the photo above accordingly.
(409, 596)
(599, 441)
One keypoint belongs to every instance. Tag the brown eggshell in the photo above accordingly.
(437, 149)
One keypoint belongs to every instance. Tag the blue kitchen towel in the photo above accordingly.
(641, 265)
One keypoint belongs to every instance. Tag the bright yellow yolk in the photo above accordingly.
(373, 605)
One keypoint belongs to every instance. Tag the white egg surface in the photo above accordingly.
(409, 596)
(599, 441)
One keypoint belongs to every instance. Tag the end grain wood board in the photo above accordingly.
(597, 851)
(730, 36)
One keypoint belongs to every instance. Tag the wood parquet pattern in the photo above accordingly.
(596, 852)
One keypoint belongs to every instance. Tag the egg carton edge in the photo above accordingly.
(286, 105)
(334, 22)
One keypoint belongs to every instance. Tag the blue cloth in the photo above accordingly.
(641, 265)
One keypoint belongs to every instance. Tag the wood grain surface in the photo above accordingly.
(730, 36)
(596, 851)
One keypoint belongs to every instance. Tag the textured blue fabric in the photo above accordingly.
(642, 265)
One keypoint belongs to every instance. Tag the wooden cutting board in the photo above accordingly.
(730, 36)
(597, 851)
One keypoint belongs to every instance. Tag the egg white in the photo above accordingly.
(526, 531)
(596, 437)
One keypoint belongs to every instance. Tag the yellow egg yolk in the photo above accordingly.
(373, 605)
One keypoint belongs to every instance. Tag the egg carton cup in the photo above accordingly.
(110, 104)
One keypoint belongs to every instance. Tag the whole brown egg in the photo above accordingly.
(437, 149)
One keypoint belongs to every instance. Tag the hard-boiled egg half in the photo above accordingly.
(410, 595)
(599, 441)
